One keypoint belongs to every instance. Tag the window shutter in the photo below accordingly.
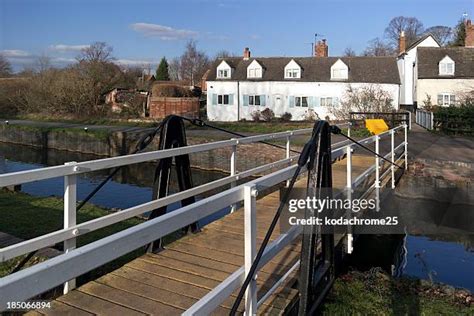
(335, 101)
(231, 99)
(316, 102)
(291, 101)
(453, 99)
(245, 100)
(214, 99)
(440, 99)
(262, 100)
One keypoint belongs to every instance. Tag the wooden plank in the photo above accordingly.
(179, 287)
(95, 305)
(225, 242)
(128, 299)
(266, 281)
(285, 260)
(160, 295)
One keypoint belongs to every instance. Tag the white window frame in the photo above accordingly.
(293, 73)
(444, 66)
(339, 74)
(222, 99)
(255, 73)
(448, 99)
(299, 101)
(324, 101)
(253, 100)
(223, 73)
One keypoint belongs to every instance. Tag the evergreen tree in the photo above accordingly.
(459, 34)
(162, 72)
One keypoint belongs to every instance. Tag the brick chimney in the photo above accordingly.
(321, 49)
(402, 43)
(246, 53)
(469, 40)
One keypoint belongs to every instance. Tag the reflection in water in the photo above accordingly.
(131, 186)
(446, 256)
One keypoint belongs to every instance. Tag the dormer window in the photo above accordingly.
(446, 67)
(339, 71)
(292, 70)
(254, 70)
(224, 71)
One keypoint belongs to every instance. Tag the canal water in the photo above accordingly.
(436, 246)
(131, 186)
(446, 258)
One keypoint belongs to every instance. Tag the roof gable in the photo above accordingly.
(293, 65)
(427, 40)
(223, 64)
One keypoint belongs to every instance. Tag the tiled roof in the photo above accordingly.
(315, 69)
(429, 58)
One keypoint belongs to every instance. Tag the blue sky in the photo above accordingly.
(143, 31)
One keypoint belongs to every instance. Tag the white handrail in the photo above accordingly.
(23, 284)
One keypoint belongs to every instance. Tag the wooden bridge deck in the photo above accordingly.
(173, 280)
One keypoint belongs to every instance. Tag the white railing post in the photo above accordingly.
(392, 146)
(409, 120)
(233, 170)
(250, 249)
(70, 198)
(350, 238)
(288, 152)
(349, 129)
(406, 147)
(377, 162)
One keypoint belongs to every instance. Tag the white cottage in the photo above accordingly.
(433, 73)
(445, 75)
(237, 87)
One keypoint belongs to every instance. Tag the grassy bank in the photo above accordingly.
(376, 293)
(26, 217)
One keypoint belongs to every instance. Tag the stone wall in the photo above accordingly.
(122, 142)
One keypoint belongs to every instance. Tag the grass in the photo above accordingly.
(260, 127)
(26, 217)
(376, 293)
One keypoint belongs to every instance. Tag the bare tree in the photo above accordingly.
(442, 33)
(377, 47)
(42, 64)
(5, 67)
(412, 27)
(193, 63)
(174, 69)
(349, 52)
(224, 54)
(96, 52)
(370, 98)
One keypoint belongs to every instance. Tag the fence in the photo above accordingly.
(392, 118)
(62, 269)
(425, 119)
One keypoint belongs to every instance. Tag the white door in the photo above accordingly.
(278, 107)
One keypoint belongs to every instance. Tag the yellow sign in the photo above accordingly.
(376, 126)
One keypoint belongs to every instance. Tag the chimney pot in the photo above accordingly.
(246, 53)
(321, 49)
(402, 43)
(469, 39)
